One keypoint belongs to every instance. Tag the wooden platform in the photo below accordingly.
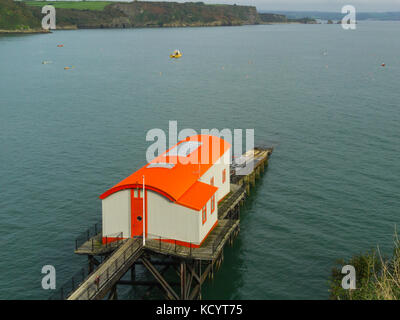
(95, 247)
(109, 272)
(209, 250)
(237, 194)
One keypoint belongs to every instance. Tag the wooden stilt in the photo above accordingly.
(183, 279)
(170, 292)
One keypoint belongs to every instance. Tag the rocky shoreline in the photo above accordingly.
(25, 31)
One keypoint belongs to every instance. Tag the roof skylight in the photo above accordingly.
(184, 149)
(161, 165)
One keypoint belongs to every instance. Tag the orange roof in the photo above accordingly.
(197, 196)
(174, 172)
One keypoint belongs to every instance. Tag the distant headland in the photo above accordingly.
(26, 16)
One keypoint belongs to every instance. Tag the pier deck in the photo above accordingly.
(195, 263)
(109, 272)
(209, 250)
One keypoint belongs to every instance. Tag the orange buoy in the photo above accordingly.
(383, 64)
(60, 45)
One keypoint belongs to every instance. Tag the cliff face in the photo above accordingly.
(186, 14)
(141, 14)
(272, 18)
(158, 14)
(279, 18)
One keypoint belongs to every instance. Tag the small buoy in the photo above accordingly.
(383, 64)
(60, 45)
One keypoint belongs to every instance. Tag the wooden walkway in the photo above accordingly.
(109, 272)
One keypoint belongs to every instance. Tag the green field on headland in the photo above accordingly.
(78, 5)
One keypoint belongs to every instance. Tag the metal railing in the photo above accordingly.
(92, 288)
(187, 248)
(225, 205)
(112, 241)
(65, 290)
(79, 277)
(87, 235)
(167, 244)
(233, 218)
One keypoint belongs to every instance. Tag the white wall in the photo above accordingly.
(211, 219)
(165, 218)
(170, 220)
(216, 172)
(116, 214)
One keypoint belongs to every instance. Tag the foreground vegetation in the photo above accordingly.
(377, 278)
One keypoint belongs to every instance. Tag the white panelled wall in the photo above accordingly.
(165, 218)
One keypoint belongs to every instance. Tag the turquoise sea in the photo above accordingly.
(317, 93)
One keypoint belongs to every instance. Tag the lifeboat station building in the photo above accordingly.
(174, 197)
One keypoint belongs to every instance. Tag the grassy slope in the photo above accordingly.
(377, 278)
(16, 16)
(79, 5)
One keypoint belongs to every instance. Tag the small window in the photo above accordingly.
(212, 203)
(223, 176)
(212, 181)
(204, 214)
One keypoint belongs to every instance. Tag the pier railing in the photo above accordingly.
(88, 234)
(187, 248)
(92, 238)
(93, 241)
(107, 274)
(234, 217)
(225, 205)
(166, 244)
(65, 290)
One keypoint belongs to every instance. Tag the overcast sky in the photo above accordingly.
(311, 5)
